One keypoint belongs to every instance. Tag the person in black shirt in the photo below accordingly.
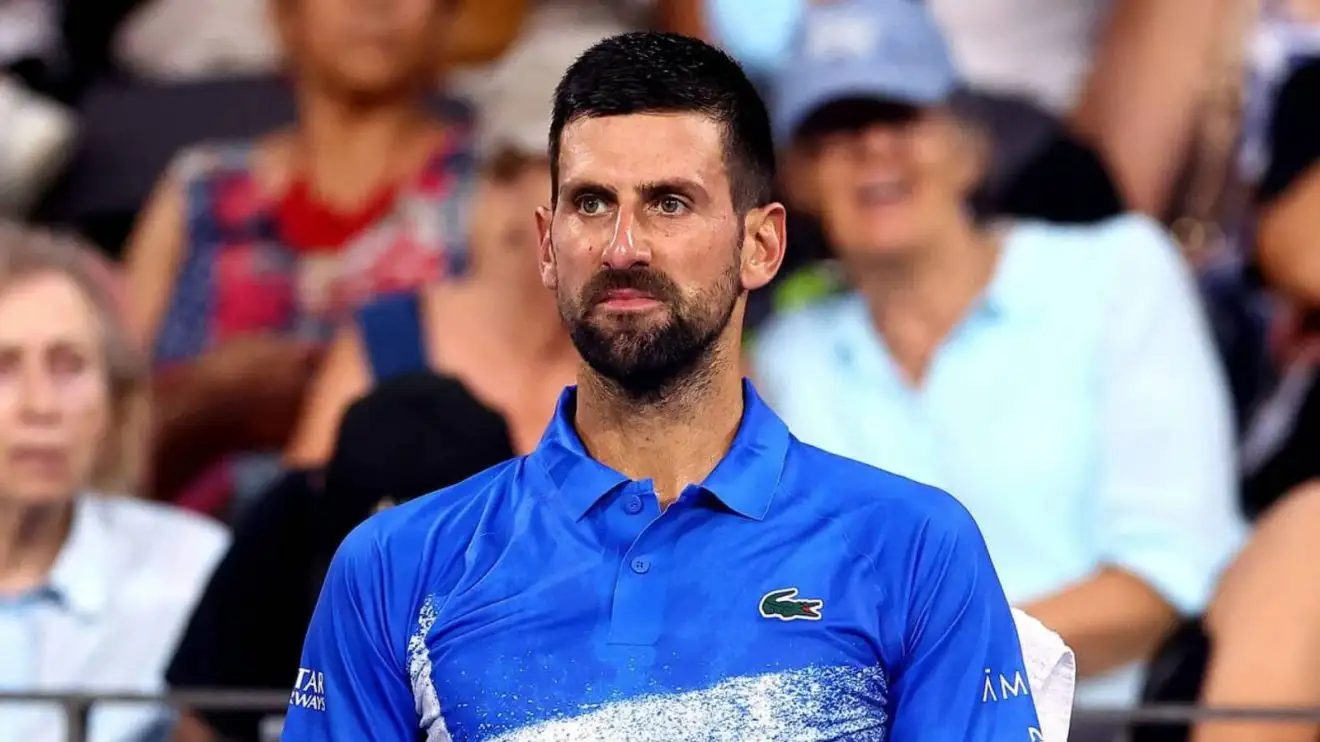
(1265, 621)
(1287, 257)
(411, 435)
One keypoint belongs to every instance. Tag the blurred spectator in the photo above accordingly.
(1289, 192)
(544, 23)
(1217, 222)
(1034, 169)
(36, 133)
(1262, 622)
(1264, 628)
(411, 435)
(1035, 166)
(94, 584)
(1127, 73)
(1060, 381)
(519, 328)
(1282, 437)
(189, 40)
(30, 31)
(180, 40)
(251, 253)
(36, 140)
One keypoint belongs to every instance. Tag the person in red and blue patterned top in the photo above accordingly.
(250, 254)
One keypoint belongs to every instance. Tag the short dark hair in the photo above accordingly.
(650, 72)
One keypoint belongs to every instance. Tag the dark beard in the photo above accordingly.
(647, 364)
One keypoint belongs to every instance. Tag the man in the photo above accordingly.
(589, 591)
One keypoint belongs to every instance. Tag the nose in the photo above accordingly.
(879, 141)
(38, 398)
(624, 250)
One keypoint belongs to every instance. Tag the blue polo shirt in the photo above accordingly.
(793, 594)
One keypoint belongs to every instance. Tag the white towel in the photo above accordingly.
(1051, 674)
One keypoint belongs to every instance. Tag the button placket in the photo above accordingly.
(639, 591)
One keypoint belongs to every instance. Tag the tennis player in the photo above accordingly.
(670, 563)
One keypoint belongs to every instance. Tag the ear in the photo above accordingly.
(764, 242)
(545, 251)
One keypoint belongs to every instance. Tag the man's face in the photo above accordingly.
(646, 253)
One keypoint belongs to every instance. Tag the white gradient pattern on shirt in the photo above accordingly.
(804, 705)
(419, 673)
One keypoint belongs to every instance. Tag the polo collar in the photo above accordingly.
(79, 577)
(745, 480)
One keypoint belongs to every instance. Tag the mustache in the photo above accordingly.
(645, 280)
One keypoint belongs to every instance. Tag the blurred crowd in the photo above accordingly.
(1058, 257)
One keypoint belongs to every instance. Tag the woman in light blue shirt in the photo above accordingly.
(94, 585)
(1060, 381)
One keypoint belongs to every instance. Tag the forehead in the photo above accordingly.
(621, 151)
(45, 308)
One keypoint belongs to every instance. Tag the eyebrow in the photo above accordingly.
(649, 191)
(59, 344)
(679, 186)
(571, 189)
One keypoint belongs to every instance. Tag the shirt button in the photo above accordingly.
(633, 505)
(641, 565)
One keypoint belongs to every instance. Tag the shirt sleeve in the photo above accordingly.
(352, 684)
(1168, 511)
(962, 678)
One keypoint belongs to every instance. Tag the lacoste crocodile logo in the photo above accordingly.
(781, 605)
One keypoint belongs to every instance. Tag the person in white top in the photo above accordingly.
(95, 585)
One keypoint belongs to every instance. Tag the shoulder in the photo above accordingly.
(1136, 238)
(1143, 267)
(1090, 267)
(907, 535)
(179, 533)
(428, 535)
(883, 507)
(172, 548)
(454, 140)
(1112, 241)
(803, 344)
(200, 161)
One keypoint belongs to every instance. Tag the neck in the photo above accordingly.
(917, 299)
(345, 149)
(31, 537)
(673, 442)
